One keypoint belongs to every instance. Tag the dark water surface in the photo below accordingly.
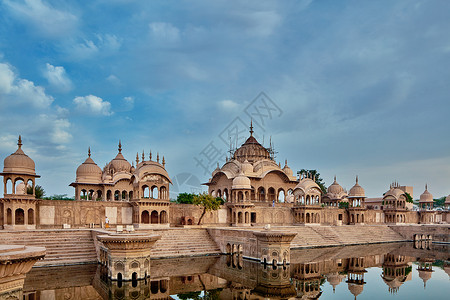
(381, 271)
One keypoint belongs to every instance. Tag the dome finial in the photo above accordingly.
(285, 162)
(164, 162)
(334, 178)
(19, 143)
(157, 157)
(143, 156)
(150, 155)
(89, 151)
(137, 158)
(251, 127)
(120, 147)
(426, 186)
(356, 178)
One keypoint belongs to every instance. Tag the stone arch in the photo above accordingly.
(154, 192)
(246, 219)
(124, 195)
(281, 195)
(240, 196)
(108, 195)
(307, 218)
(130, 195)
(225, 194)
(271, 194)
(145, 217)
(154, 217)
(134, 264)
(163, 217)
(240, 220)
(9, 216)
(261, 194)
(116, 195)
(30, 216)
(99, 195)
(19, 217)
(228, 248)
(163, 192)
(145, 191)
(9, 186)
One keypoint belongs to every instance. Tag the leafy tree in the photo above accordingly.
(185, 198)
(190, 295)
(439, 202)
(58, 197)
(409, 198)
(343, 204)
(316, 175)
(38, 191)
(208, 202)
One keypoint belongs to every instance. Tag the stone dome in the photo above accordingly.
(288, 171)
(241, 182)
(251, 150)
(394, 192)
(246, 167)
(306, 186)
(119, 163)
(355, 289)
(89, 172)
(426, 196)
(357, 190)
(335, 188)
(19, 162)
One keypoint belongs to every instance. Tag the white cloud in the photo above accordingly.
(128, 103)
(113, 79)
(57, 77)
(164, 31)
(21, 91)
(103, 44)
(228, 105)
(93, 105)
(42, 17)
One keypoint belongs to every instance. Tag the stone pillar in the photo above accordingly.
(274, 247)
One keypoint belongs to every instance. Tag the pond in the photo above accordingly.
(379, 271)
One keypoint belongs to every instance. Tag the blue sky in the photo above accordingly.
(362, 87)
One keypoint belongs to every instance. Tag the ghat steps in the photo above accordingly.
(64, 247)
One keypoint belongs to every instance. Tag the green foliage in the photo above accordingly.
(190, 295)
(439, 202)
(185, 198)
(316, 175)
(59, 197)
(38, 191)
(222, 202)
(343, 204)
(208, 203)
(409, 198)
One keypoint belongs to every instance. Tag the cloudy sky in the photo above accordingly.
(350, 87)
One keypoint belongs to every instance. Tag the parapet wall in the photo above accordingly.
(440, 233)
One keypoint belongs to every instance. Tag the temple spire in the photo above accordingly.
(19, 143)
(251, 127)
(164, 162)
(334, 178)
(150, 155)
(426, 186)
(356, 178)
(120, 147)
(137, 159)
(157, 157)
(143, 156)
(89, 151)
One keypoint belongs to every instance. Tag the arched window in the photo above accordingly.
(154, 194)
(240, 217)
(163, 217)
(9, 216)
(281, 196)
(271, 193)
(146, 191)
(109, 195)
(116, 195)
(261, 194)
(130, 195)
(124, 195)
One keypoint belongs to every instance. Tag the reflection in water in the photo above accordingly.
(380, 271)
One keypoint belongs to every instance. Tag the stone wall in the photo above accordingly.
(81, 214)
(440, 233)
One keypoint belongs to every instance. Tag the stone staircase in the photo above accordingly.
(317, 236)
(63, 247)
(183, 242)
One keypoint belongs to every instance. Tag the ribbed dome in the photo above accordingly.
(355, 289)
(335, 188)
(288, 171)
(19, 162)
(251, 150)
(241, 182)
(357, 190)
(89, 172)
(394, 192)
(246, 167)
(426, 196)
(119, 163)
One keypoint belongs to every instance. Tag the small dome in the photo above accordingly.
(394, 192)
(355, 289)
(19, 162)
(246, 167)
(89, 172)
(288, 171)
(335, 188)
(119, 163)
(426, 196)
(241, 182)
(357, 190)
(306, 185)
(447, 200)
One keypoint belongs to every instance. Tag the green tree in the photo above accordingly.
(185, 198)
(408, 198)
(343, 204)
(38, 191)
(208, 202)
(316, 175)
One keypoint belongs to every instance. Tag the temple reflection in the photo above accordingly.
(232, 277)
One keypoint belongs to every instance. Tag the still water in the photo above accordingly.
(381, 271)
